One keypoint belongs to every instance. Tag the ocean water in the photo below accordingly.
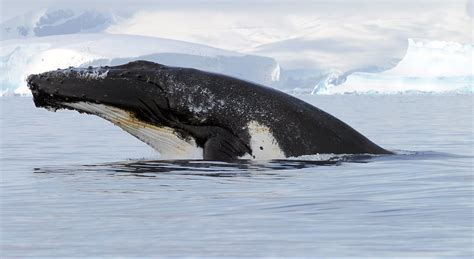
(75, 185)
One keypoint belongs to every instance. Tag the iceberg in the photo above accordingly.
(427, 67)
(365, 83)
(21, 57)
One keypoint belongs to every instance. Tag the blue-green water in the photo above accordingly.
(75, 185)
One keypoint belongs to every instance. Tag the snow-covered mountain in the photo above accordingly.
(49, 22)
(428, 66)
(22, 57)
(303, 41)
(296, 54)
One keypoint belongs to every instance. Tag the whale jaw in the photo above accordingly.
(163, 139)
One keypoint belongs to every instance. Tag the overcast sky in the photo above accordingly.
(10, 8)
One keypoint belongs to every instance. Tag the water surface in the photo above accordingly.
(75, 185)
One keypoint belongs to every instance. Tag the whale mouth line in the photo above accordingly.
(166, 140)
(52, 102)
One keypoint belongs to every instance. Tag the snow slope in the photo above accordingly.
(428, 66)
(22, 57)
(47, 22)
(319, 35)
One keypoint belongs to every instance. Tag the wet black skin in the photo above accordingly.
(211, 108)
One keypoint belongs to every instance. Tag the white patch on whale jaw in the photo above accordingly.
(162, 139)
(264, 146)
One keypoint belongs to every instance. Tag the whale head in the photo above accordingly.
(146, 99)
(118, 86)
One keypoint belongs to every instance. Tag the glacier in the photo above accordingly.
(21, 57)
(427, 67)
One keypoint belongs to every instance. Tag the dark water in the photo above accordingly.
(74, 185)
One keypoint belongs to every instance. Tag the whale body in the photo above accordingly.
(185, 113)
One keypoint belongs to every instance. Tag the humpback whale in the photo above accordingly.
(193, 114)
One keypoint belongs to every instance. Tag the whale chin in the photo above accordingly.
(165, 140)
